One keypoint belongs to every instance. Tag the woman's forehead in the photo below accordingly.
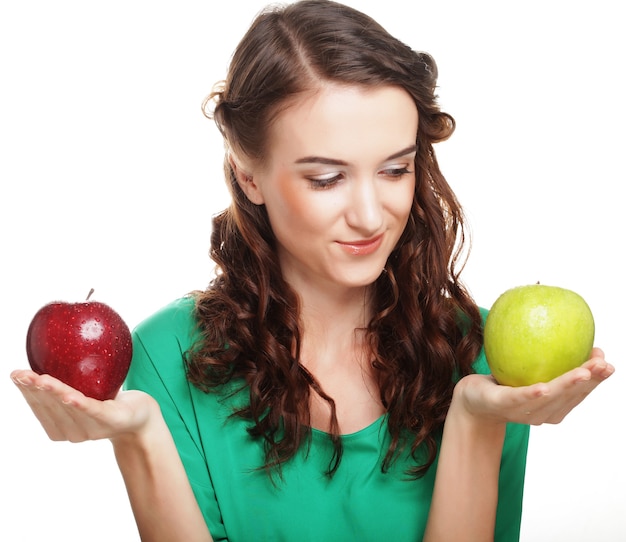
(343, 122)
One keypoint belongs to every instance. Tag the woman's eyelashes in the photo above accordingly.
(329, 180)
(396, 173)
(326, 181)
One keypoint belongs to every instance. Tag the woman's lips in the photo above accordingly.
(361, 247)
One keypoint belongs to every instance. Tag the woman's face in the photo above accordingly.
(338, 183)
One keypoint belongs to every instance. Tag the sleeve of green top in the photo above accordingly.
(511, 484)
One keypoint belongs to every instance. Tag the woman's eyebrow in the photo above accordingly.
(335, 162)
(409, 150)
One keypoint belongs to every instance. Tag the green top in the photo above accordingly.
(241, 502)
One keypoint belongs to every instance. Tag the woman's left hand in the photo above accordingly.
(537, 404)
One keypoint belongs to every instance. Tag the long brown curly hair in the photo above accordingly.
(426, 329)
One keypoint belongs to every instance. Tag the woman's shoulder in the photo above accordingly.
(174, 322)
(160, 342)
(177, 313)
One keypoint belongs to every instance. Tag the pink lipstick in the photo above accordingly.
(362, 247)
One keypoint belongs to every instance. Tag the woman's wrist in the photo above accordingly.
(480, 427)
(149, 429)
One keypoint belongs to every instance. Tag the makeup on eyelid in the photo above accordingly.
(324, 181)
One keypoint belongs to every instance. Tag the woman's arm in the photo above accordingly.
(162, 500)
(161, 497)
(465, 496)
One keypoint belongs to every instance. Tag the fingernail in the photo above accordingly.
(18, 381)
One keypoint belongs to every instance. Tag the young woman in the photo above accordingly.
(330, 383)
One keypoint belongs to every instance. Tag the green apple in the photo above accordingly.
(535, 333)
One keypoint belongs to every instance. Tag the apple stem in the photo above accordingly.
(89, 294)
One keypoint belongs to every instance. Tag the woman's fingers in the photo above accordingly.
(67, 414)
(598, 366)
(53, 403)
(569, 390)
(544, 402)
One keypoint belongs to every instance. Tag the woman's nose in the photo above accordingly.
(365, 209)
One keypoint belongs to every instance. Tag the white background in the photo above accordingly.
(110, 175)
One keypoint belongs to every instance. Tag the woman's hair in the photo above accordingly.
(426, 329)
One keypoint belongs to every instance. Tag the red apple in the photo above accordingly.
(87, 345)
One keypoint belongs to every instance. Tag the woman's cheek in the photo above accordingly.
(306, 205)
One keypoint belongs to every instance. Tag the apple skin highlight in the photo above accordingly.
(536, 333)
(85, 345)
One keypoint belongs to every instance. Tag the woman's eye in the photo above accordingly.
(328, 181)
(320, 183)
(396, 172)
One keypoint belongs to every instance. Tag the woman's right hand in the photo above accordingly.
(66, 414)
(162, 499)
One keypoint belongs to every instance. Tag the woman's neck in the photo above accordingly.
(335, 351)
(325, 314)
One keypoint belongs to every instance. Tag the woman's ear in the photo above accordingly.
(246, 182)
